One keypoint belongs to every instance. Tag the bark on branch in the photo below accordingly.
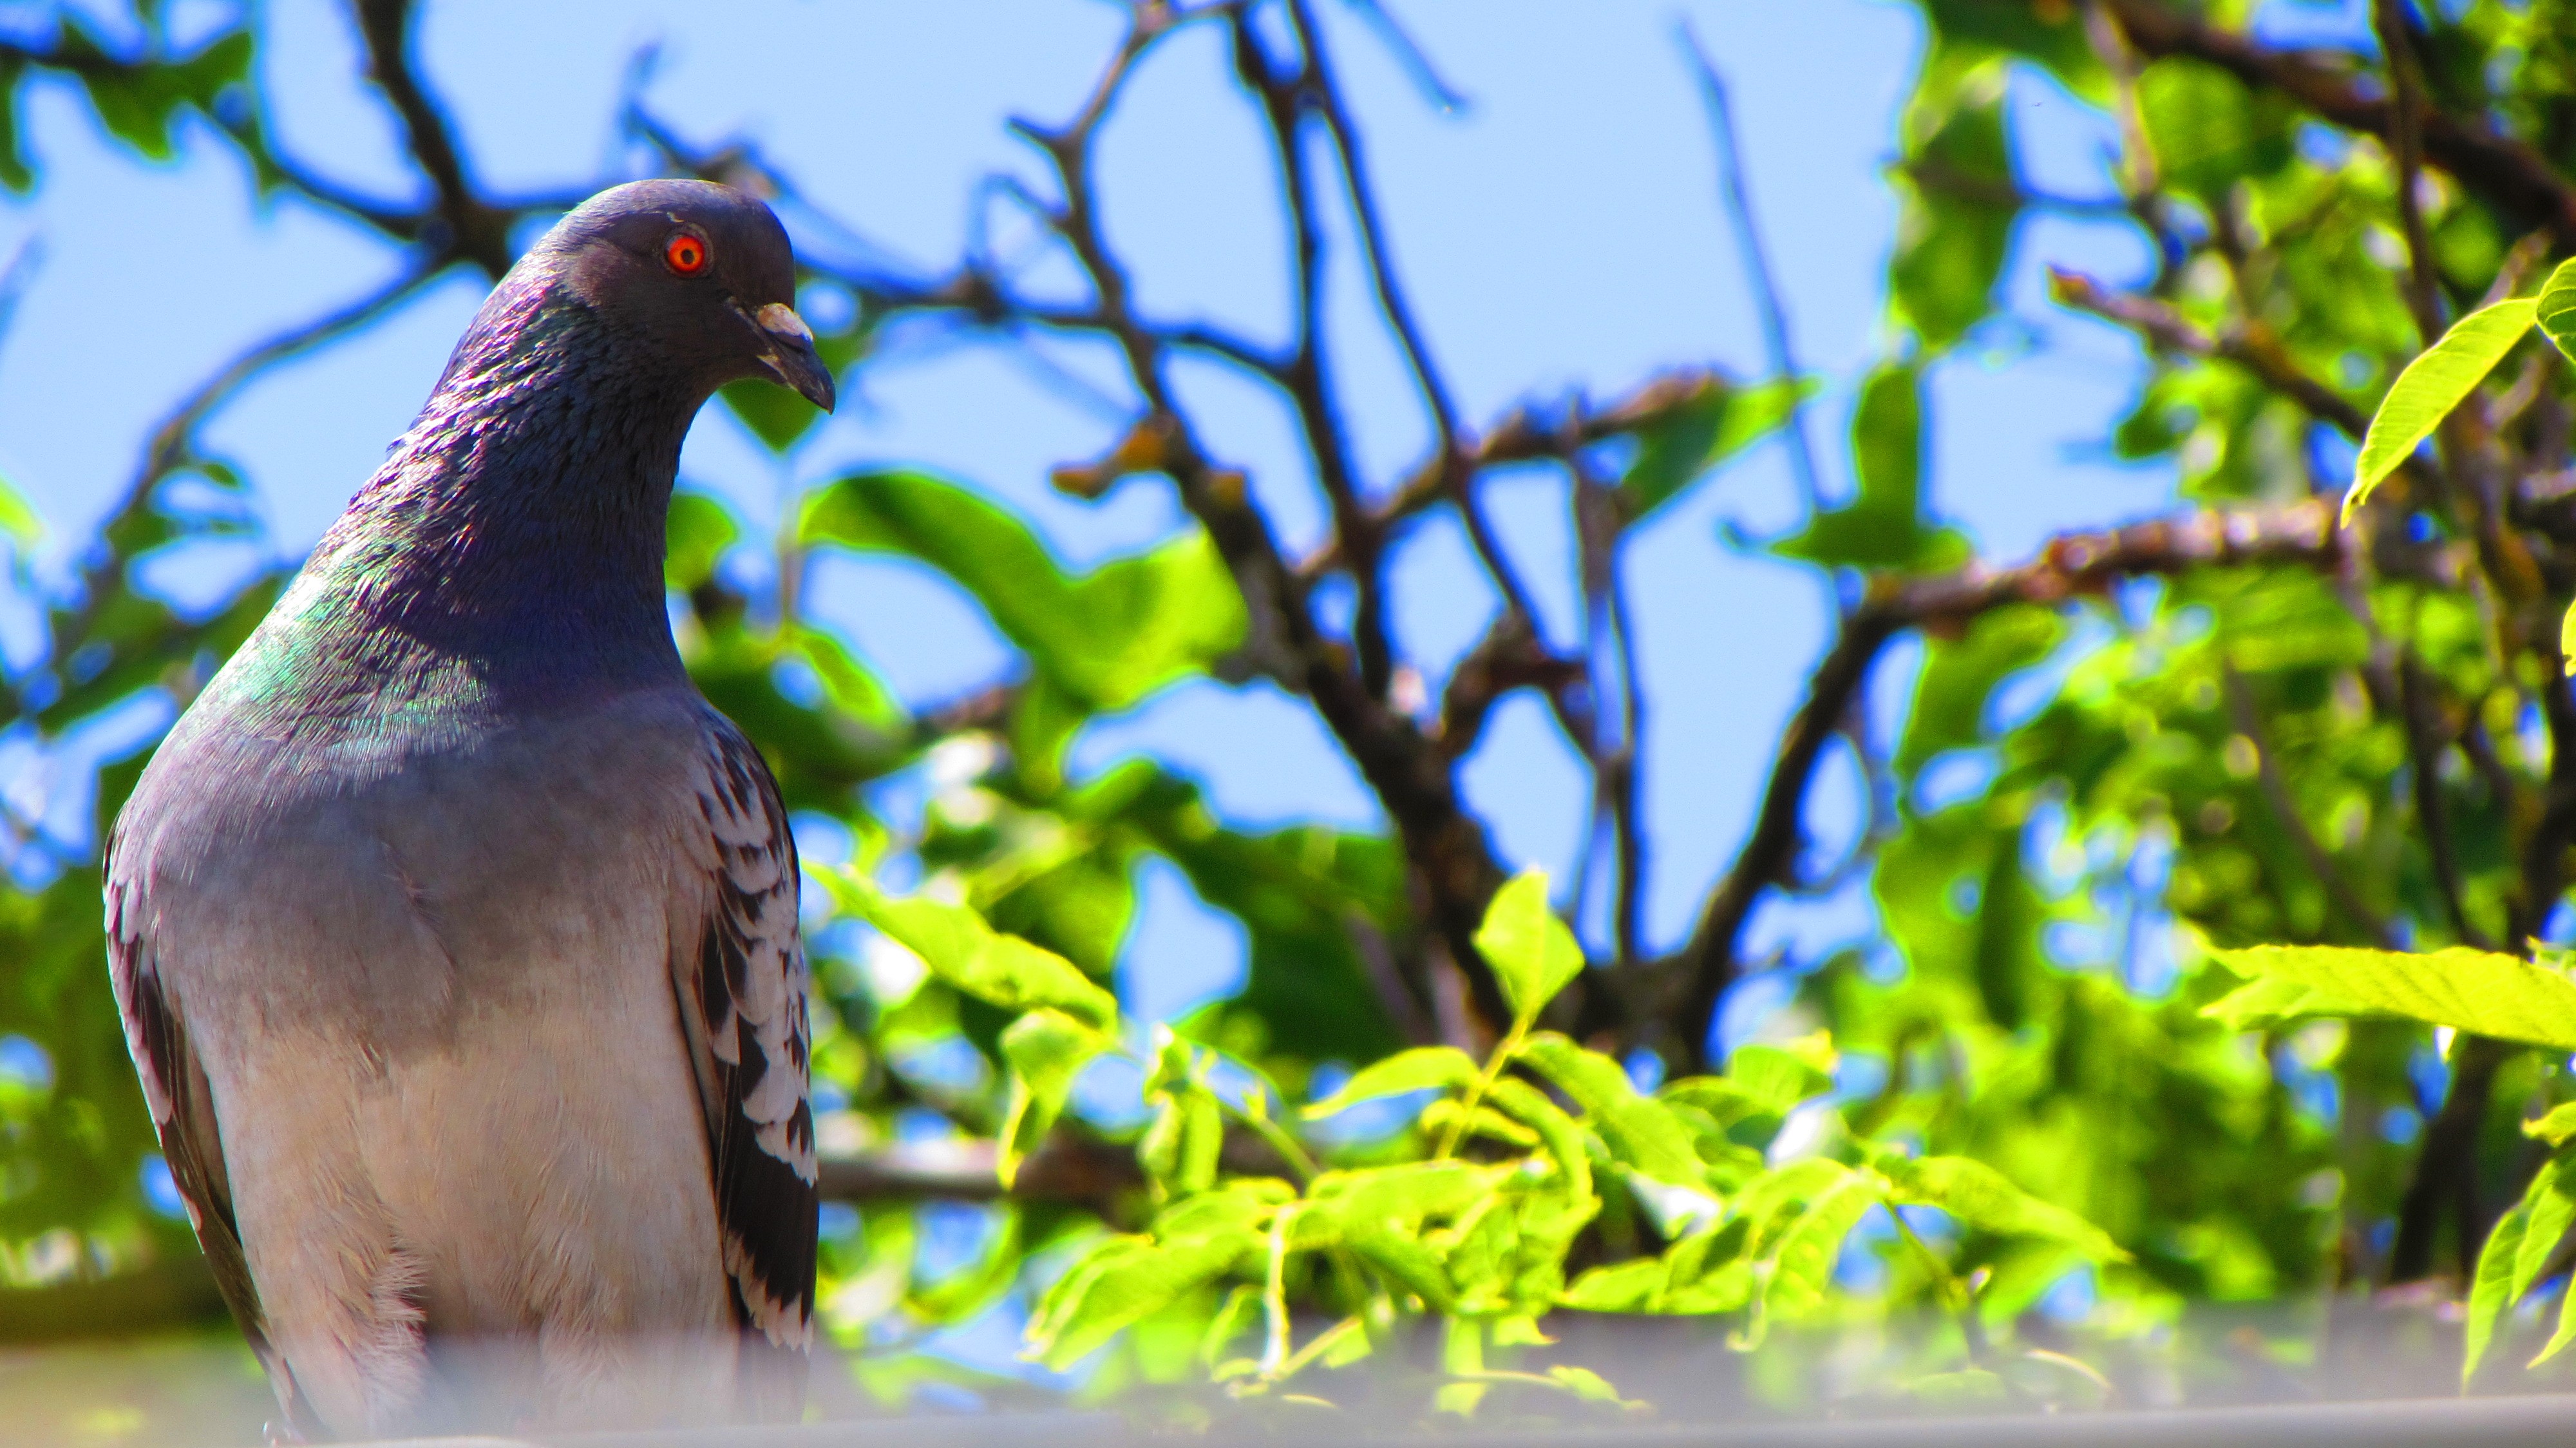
(2072, 566)
(2506, 172)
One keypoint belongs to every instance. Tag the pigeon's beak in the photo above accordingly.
(790, 353)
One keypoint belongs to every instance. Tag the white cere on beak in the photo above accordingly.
(780, 320)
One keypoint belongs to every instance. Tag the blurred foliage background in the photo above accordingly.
(2232, 723)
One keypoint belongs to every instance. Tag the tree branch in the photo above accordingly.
(478, 232)
(2071, 566)
(1305, 378)
(2508, 173)
(2249, 345)
(2248, 721)
(1412, 777)
(1757, 261)
(171, 443)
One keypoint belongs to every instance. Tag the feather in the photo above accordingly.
(183, 1117)
(743, 999)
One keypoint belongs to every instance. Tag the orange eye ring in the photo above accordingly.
(686, 253)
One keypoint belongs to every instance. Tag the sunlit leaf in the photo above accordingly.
(1641, 1132)
(2518, 1249)
(1797, 1250)
(1116, 1286)
(1564, 1138)
(1981, 1197)
(2470, 990)
(139, 102)
(1532, 953)
(2556, 1127)
(701, 529)
(1422, 1068)
(2208, 129)
(1403, 1194)
(1633, 1286)
(958, 947)
(776, 414)
(2555, 308)
(1106, 638)
(2431, 386)
(1046, 1050)
(1684, 443)
(1955, 225)
(1883, 527)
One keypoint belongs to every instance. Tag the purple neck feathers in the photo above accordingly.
(517, 530)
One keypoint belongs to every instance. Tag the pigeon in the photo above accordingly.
(455, 933)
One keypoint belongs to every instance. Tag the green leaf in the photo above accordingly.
(1422, 1068)
(1533, 955)
(1960, 675)
(2209, 131)
(1121, 1283)
(139, 101)
(1401, 1195)
(1883, 526)
(851, 688)
(1954, 228)
(700, 530)
(1965, 1385)
(959, 948)
(2432, 385)
(20, 524)
(2555, 309)
(1106, 639)
(1983, 1198)
(1404, 1257)
(1046, 1050)
(15, 175)
(2518, 1249)
(2566, 1333)
(1779, 1077)
(2278, 1000)
(1715, 423)
(1641, 1133)
(776, 414)
(1620, 1287)
(2556, 1127)
(1529, 1106)
(2469, 990)
(1202, 1142)
(1586, 1385)
(1444, 1114)
(1803, 1241)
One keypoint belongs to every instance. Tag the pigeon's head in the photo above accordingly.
(697, 272)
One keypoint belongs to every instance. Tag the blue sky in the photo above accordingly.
(1561, 232)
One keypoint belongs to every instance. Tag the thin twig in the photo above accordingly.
(1757, 261)
(1457, 478)
(2418, 710)
(2248, 721)
(170, 443)
(1306, 378)
(2406, 142)
(1413, 778)
(2248, 345)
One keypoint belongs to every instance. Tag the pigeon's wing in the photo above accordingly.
(183, 1115)
(742, 1001)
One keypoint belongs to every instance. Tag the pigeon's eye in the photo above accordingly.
(685, 253)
